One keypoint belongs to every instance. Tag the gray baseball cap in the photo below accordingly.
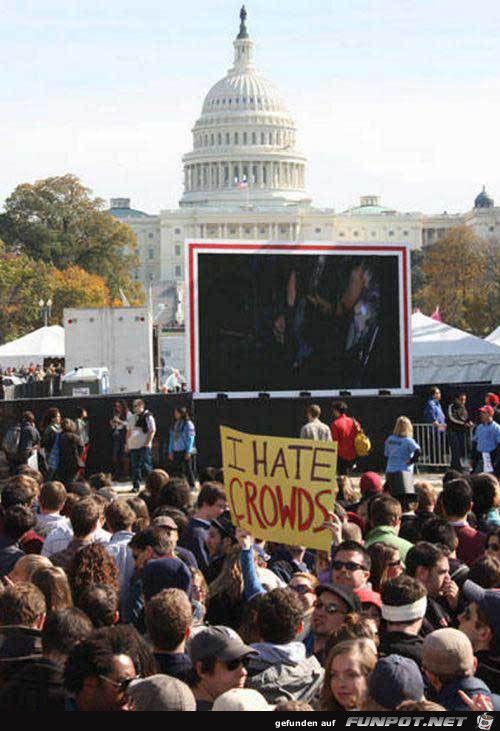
(161, 693)
(220, 642)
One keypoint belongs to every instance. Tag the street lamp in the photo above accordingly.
(45, 310)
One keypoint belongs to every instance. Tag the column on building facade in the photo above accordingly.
(258, 179)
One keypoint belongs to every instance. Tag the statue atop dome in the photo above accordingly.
(243, 27)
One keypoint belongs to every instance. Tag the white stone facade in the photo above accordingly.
(245, 179)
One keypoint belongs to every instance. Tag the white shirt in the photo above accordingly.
(60, 538)
(137, 436)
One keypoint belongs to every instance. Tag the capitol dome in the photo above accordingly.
(244, 91)
(244, 143)
(483, 200)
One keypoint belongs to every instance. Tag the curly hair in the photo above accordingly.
(92, 565)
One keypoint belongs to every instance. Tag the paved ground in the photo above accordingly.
(436, 478)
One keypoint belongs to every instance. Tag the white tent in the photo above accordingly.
(444, 354)
(494, 337)
(46, 342)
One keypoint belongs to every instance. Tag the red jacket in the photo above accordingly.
(471, 543)
(344, 430)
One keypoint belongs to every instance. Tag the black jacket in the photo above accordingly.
(399, 643)
(488, 669)
(19, 646)
(10, 552)
(175, 664)
(436, 617)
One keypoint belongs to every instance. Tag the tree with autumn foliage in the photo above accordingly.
(23, 282)
(56, 221)
(461, 275)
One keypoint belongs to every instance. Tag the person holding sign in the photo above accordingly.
(280, 489)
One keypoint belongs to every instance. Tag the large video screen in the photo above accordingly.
(285, 319)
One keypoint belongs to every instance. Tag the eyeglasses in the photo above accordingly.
(395, 563)
(328, 608)
(232, 665)
(302, 589)
(349, 565)
(121, 686)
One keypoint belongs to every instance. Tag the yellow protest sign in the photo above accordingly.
(280, 489)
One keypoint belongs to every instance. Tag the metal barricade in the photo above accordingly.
(433, 442)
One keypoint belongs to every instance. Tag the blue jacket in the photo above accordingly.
(449, 698)
(487, 437)
(433, 412)
(182, 437)
(193, 539)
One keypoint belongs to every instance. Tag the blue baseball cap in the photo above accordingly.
(488, 601)
(395, 679)
(165, 573)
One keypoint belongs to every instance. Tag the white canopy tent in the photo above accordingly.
(444, 354)
(46, 342)
(494, 337)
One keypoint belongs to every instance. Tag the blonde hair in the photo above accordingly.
(426, 495)
(403, 427)
(313, 580)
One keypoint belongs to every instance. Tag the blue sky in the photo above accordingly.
(394, 98)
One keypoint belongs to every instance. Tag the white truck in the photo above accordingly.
(117, 338)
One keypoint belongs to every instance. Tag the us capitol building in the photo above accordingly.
(246, 179)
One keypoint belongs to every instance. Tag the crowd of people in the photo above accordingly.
(157, 601)
(32, 373)
(59, 449)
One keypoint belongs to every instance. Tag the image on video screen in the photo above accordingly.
(294, 321)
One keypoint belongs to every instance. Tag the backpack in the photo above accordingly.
(362, 444)
(142, 420)
(55, 454)
(10, 443)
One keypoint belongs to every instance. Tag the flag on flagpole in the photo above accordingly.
(436, 315)
(241, 182)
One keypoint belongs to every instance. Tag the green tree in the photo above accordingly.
(461, 275)
(56, 221)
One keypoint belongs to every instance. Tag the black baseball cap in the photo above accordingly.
(221, 642)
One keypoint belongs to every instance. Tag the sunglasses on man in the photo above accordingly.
(121, 686)
(232, 665)
(348, 565)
